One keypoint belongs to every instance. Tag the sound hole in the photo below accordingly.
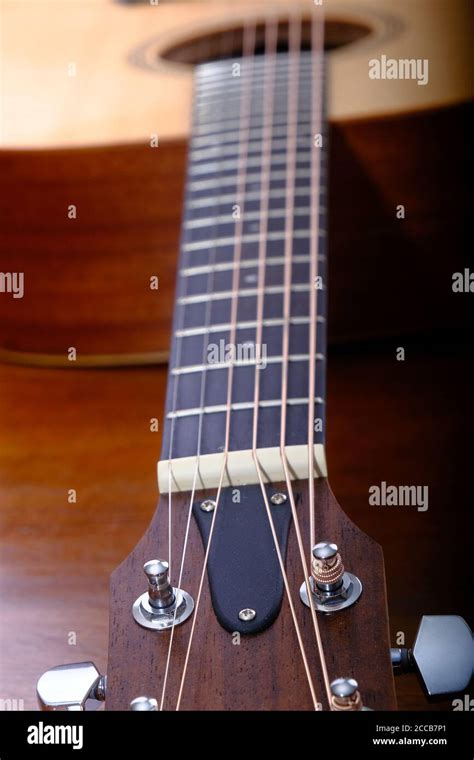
(227, 43)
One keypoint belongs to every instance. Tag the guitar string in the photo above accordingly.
(271, 37)
(206, 51)
(316, 119)
(249, 39)
(294, 59)
(202, 394)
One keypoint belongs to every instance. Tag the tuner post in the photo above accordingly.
(162, 606)
(345, 695)
(160, 590)
(333, 587)
(144, 704)
(327, 570)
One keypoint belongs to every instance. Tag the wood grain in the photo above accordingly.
(264, 671)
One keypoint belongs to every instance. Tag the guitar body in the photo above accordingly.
(93, 212)
(90, 148)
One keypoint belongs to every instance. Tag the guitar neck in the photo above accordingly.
(251, 294)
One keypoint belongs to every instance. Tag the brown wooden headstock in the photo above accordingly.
(255, 672)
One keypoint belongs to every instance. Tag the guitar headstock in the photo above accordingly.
(245, 653)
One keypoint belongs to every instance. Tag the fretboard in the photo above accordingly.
(218, 166)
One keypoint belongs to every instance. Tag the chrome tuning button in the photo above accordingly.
(77, 686)
(333, 587)
(443, 655)
(162, 605)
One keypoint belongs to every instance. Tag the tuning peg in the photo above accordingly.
(160, 590)
(345, 694)
(443, 654)
(333, 588)
(144, 704)
(70, 687)
(161, 606)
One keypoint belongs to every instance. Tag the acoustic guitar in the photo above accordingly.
(251, 589)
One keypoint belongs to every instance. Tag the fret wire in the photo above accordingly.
(193, 222)
(233, 136)
(250, 324)
(230, 117)
(230, 83)
(231, 154)
(255, 146)
(212, 92)
(222, 70)
(231, 165)
(208, 184)
(250, 216)
(211, 100)
(200, 131)
(194, 203)
(214, 97)
(193, 368)
(201, 232)
(251, 238)
(225, 266)
(303, 287)
(224, 82)
(221, 77)
(240, 406)
(258, 63)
